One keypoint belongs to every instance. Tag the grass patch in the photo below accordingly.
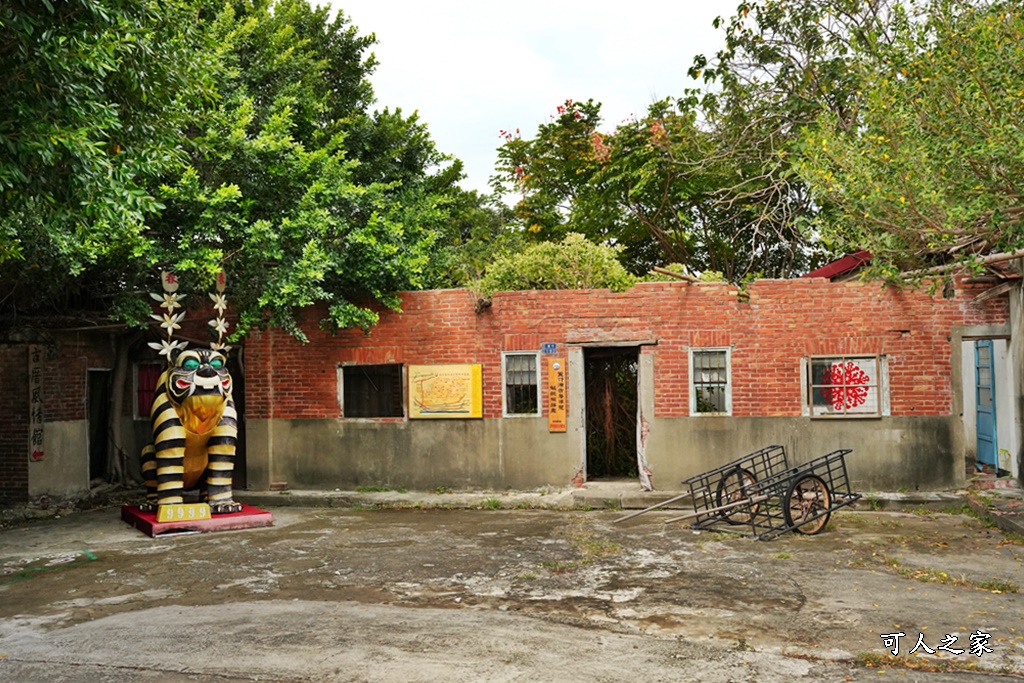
(929, 575)
(613, 504)
(586, 543)
(441, 490)
(712, 537)
(562, 566)
(998, 586)
(492, 504)
(782, 556)
(372, 489)
(875, 660)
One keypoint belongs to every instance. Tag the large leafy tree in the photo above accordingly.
(92, 102)
(784, 63)
(199, 136)
(293, 186)
(930, 173)
(710, 180)
(652, 186)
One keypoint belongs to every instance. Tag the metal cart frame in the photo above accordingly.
(800, 498)
(760, 495)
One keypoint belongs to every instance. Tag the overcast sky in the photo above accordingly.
(474, 68)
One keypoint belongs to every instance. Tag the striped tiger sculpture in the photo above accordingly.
(195, 427)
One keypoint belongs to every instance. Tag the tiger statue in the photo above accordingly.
(195, 428)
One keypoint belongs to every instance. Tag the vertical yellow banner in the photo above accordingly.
(557, 394)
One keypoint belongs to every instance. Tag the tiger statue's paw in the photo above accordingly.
(225, 508)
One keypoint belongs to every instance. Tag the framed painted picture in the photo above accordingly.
(445, 391)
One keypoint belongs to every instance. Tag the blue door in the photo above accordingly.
(985, 393)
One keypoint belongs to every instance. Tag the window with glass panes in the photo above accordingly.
(709, 382)
(522, 384)
(845, 386)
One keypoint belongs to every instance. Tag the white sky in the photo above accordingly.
(472, 68)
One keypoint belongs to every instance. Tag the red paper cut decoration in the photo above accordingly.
(846, 392)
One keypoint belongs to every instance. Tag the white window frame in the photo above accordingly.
(728, 379)
(881, 384)
(504, 383)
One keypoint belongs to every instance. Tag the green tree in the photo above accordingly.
(649, 186)
(293, 187)
(784, 62)
(480, 233)
(198, 136)
(91, 103)
(573, 263)
(552, 171)
(930, 173)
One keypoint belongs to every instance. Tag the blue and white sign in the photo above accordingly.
(549, 348)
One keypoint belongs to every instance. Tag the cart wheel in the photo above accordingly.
(738, 485)
(807, 496)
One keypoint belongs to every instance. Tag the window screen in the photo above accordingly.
(521, 390)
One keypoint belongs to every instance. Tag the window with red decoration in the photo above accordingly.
(845, 386)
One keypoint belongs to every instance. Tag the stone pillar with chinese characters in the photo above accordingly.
(36, 446)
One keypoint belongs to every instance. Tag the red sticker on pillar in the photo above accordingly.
(557, 395)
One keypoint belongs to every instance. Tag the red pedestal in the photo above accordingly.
(248, 518)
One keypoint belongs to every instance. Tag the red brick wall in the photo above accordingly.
(781, 322)
(66, 374)
(65, 379)
(14, 424)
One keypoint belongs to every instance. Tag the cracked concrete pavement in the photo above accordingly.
(335, 594)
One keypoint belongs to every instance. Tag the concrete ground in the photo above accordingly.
(513, 593)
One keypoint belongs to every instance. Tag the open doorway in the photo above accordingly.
(99, 422)
(990, 436)
(610, 379)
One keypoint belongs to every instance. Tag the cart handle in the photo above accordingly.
(720, 508)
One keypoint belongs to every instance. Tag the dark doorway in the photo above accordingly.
(610, 376)
(240, 480)
(99, 422)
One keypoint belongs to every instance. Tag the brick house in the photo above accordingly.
(659, 383)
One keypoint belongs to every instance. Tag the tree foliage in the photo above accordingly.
(295, 187)
(784, 63)
(931, 170)
(93, 95)
(270, 166)
(572, 263)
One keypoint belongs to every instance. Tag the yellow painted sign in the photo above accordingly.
(557, 394)
(446, 391)
(183, 512)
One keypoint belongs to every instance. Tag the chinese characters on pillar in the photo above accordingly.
(36, 449)
(556, 394)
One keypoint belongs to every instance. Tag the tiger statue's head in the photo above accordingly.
(199, 373)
